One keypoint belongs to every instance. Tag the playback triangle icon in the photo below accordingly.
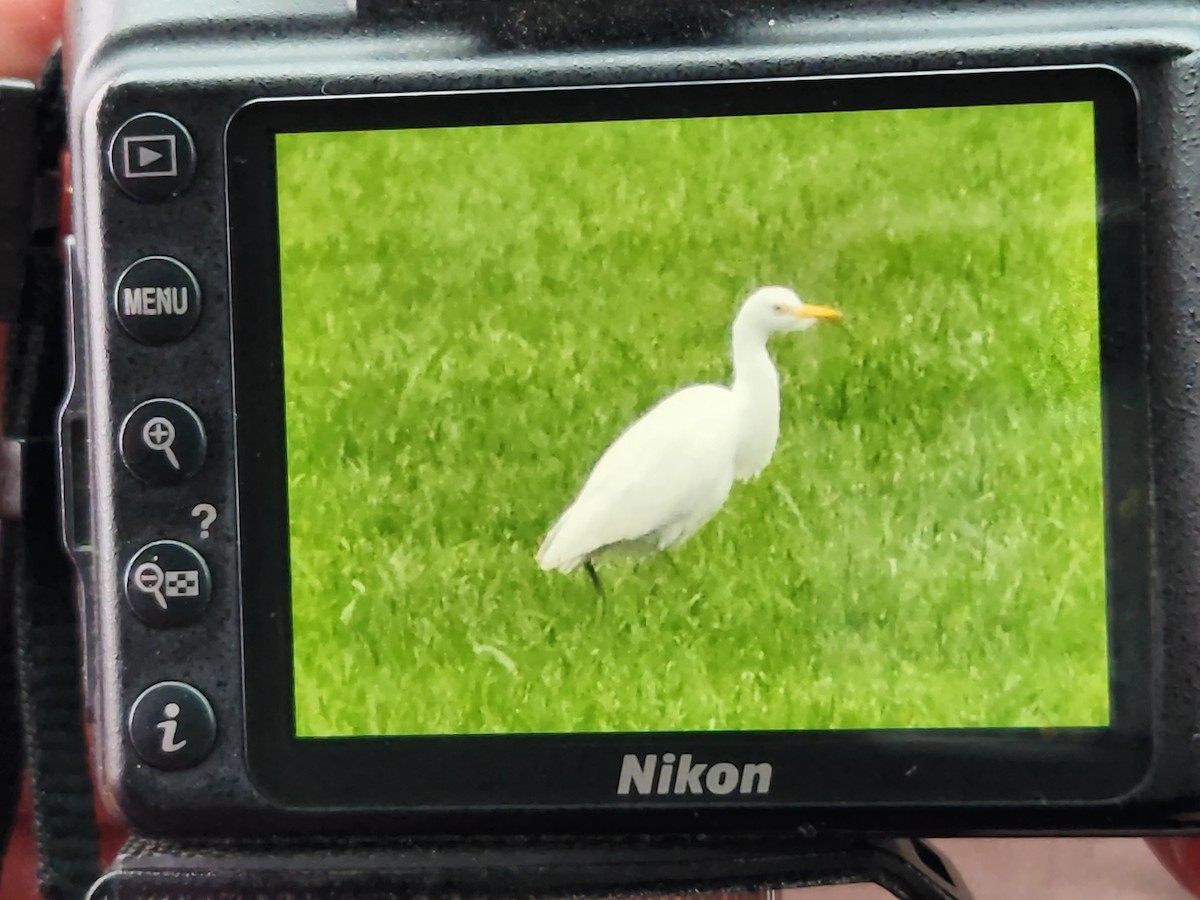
(152, 157)
(149, 156)
(146, 156)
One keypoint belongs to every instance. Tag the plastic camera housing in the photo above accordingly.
(172, 437)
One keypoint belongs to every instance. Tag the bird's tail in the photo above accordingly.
(549, 556)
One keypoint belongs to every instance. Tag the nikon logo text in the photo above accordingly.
(645, 775)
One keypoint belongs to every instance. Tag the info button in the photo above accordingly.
(157, 300)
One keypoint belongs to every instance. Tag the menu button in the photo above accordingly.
(157, 300)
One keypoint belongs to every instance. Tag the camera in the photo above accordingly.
(439, 457)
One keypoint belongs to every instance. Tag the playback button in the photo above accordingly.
(157, 300)
(163, 442)
(152, 157)
(168, 584)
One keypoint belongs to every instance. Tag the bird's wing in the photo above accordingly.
(668, 467)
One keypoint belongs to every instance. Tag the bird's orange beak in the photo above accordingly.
(808, 311)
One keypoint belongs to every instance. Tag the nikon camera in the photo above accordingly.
(581, 417)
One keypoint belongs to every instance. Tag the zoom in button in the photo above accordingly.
(168, 584)
(163, 442)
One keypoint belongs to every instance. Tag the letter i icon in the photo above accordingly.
(168, 727)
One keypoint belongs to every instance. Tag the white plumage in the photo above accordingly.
(670, 471)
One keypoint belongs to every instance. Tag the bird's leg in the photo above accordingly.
(595, 576)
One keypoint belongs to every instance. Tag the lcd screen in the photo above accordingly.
(472, 316)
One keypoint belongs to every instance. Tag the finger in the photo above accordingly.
(28, 30)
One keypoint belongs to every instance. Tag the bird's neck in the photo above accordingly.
(756, 401)
(754, 375)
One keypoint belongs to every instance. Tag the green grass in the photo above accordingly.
(471, 316)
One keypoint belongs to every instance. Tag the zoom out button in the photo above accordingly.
(168, 584)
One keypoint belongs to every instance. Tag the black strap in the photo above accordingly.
(17, 135)
(516, 868)
(38, 580)
(11, 755)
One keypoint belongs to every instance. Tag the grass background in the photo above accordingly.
(471, 316)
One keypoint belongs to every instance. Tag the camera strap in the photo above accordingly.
(41, 709)
(17, 128)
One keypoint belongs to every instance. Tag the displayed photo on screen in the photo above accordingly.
(732, 423)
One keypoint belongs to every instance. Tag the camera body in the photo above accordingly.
(172, 514)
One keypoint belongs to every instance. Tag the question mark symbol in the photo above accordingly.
(208, 512)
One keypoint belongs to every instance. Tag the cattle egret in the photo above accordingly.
(671, 470)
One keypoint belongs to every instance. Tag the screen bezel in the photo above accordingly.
(811, 768)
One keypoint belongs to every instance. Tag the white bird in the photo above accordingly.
(670, 471)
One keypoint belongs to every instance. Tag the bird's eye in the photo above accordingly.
(778, 307)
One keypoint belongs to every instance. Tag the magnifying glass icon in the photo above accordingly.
(159, 434)
(149, 578)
